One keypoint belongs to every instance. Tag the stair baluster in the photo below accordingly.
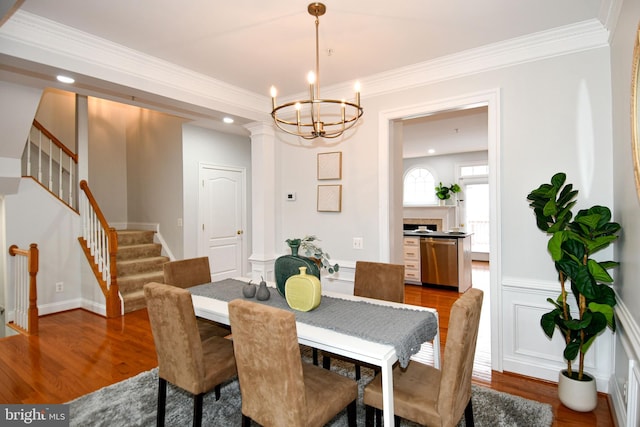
(100, 245)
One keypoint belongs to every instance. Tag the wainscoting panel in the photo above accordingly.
(624, 383)
(342, 281)
(527, 350)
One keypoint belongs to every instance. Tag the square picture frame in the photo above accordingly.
(330, 165)
(330, 198)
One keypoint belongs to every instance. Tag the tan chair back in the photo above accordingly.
(187, 272)
(269, 364)
(176, 336)
(379, 280)
(459, 351)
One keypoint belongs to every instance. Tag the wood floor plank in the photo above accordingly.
(78, 352)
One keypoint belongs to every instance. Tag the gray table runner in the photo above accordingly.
(403, 328)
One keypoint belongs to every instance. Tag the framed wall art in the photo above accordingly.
(330, 165)
(329, 198)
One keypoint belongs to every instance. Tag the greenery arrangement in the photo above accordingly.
(572, 245)
(444, 193)
(312, 250)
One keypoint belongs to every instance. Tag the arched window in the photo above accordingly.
(419, 186)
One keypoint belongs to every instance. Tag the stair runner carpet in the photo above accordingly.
(139, 261)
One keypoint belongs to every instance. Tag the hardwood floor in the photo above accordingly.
(78, 352)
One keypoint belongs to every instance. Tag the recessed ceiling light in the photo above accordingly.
(431, 151)
(228, 120)
(65, 79)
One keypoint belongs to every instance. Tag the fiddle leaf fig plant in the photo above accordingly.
(572, 244)
(444, 193)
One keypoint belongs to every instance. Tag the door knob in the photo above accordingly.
(239, 232)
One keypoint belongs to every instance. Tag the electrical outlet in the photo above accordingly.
(357, 243)
(59, 286)
(179, 222)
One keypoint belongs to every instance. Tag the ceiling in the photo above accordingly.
(255, 43)
(447, 132)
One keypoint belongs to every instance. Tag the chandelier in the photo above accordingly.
(316, 117)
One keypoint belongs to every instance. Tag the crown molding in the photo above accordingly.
(33, 38)
(582, 36)
(37, 39)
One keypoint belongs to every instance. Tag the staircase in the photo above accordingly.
(139, 261)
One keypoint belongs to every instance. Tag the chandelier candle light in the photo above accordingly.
(338, 115)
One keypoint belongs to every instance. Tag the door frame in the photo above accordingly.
(390, 215)
(244, 250)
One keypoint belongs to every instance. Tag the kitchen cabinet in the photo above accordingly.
(412, 260)
(444, 259)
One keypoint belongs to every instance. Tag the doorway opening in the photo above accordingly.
(390, 184)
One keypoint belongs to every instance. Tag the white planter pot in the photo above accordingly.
(581, 396)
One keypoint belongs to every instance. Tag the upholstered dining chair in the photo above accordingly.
(184, 359)
(191, 272)
(430, 396)
(277, 388)
(377, 280)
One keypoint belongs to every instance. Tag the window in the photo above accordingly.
(474, 171)
(419, 186)
(475, 209)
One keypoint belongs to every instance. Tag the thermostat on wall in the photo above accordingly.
(291, 197)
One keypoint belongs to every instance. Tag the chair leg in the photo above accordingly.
(315, 356)
(468, 414)
(352, 416)
(162, 401)
(368, 416)
(246, 421)
(396, 421)
(197, 410)
(357, 372)
(378, 417)
(217, 392)
(326, 362)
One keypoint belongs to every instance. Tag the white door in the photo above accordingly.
(476, 217)
(222, 221)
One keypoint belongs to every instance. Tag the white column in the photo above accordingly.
(82, 137)
(263, 200)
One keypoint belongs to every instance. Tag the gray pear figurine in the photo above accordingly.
(263, 293)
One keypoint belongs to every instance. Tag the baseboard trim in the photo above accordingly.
(57, 307)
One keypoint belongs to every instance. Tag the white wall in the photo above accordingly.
(154, 171)
(18, 105)
(37, 217)
(108, 156)
(627, 213)
(56, 113)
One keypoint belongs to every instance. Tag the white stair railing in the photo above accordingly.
(22, 277)
(100, 245)
(51, 163)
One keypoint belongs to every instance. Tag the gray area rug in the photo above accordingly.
(132, 402)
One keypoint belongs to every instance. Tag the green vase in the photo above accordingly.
(289, 265)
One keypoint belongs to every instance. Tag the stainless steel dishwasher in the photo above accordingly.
(439, 261)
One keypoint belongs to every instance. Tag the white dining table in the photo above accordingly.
(382, 355)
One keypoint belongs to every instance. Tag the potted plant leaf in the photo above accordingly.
(572, 244)
(312, 250)
(444, 193)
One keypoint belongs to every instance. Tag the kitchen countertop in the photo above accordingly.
(441, 234)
